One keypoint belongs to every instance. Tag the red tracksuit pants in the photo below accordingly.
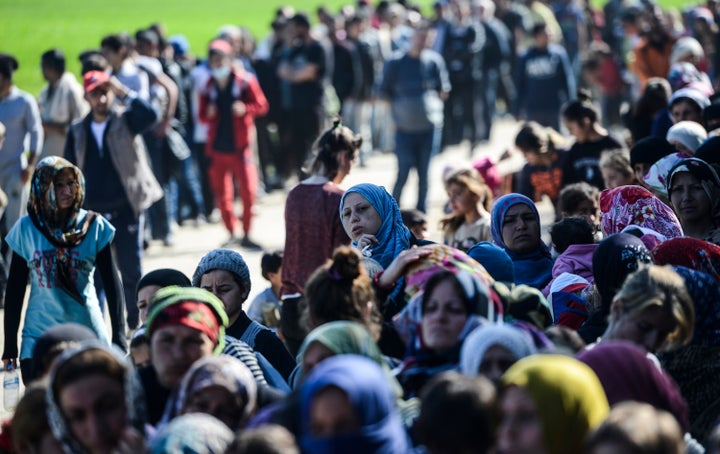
(223, 170)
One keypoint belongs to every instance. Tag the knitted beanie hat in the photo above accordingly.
(228, 260)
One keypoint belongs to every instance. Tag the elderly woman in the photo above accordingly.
(694, 190)
(516, 228)
(549, 404)
(89, 384)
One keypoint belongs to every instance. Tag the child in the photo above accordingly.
(470, 200)
(580, 199)
(574, 239)
(265, 308)
(416, 221)
(616, 169)
(140, 349)
(545, 151)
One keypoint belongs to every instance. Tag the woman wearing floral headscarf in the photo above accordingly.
(516, 228)
(636, 206)
(58, 245)
(693, 187)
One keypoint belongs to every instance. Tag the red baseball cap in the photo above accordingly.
(94, 79)
(220, 45)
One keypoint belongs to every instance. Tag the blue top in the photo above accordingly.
(48, 304)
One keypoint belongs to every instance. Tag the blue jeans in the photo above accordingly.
(414, 149)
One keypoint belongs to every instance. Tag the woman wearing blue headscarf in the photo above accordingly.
(371, 218)
(515, 227)
(348, 406)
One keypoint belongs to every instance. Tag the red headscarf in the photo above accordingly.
(691, 253)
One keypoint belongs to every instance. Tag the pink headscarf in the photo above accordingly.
(635, 205)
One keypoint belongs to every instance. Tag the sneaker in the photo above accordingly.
(232, 241)
(247, 243)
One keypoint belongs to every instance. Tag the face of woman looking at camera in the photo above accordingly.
(444, 316)
(359, 217)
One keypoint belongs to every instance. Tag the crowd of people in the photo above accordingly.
(372, 337)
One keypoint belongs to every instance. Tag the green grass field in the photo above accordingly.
(29, 27)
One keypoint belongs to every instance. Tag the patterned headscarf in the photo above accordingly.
(532, 268)
(691, 253)
(705, 293)
(219, 371)
(707, 176)
(568, 396)
(635, 205)
(63, 233)
(134, 396)
(614, 259)
(42, 205)
(195, 308)
(393, 237)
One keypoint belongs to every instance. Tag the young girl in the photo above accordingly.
(583, 163)
(58, 245)
(616, 169)
(470, 202)
(313, 228)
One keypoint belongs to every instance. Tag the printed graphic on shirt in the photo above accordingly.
(44, 264)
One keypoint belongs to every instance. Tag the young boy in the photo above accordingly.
(416, 221)
(265, 308)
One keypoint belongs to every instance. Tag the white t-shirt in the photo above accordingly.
(98, 130)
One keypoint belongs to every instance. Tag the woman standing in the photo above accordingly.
(310, 240)
(58, 245)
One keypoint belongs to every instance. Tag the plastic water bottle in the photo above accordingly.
(11, 388)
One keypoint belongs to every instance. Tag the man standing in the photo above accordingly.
(544, 81)
(107, 146)
(301, 72)
(61, 102)
(19, 113)
(416, 84)
(229, 105)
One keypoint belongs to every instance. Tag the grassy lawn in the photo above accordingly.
(29, 27)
